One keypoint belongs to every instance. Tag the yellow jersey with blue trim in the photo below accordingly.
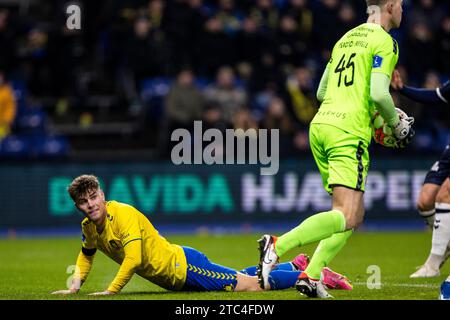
(130, 239)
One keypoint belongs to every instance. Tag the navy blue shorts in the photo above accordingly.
(440, 169)
(203, 275)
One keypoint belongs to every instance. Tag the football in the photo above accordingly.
(382, 133)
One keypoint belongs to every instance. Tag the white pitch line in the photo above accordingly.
(387, 284)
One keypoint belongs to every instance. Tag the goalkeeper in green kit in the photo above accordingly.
(353, 86)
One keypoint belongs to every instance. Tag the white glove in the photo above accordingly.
(402, 128)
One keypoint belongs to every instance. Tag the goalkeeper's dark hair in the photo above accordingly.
(82, 185)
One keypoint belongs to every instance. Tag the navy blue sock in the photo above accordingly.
(287, 266)
(282, 279)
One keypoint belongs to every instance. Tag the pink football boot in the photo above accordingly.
(301, 261)
(334, 280)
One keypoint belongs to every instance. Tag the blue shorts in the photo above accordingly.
(203, 275)
(440, 170)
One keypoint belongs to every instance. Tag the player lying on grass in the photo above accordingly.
(125, 235)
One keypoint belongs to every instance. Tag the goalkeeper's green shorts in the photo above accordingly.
(342, 158)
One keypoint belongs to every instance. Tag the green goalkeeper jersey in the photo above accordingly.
(347, 104)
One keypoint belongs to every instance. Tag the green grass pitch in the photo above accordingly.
(32, 268)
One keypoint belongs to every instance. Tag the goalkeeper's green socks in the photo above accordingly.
(325, 252)
(317, 227)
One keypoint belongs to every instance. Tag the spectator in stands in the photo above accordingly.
(326, 19)
(231, 17)
(299, 95)
(183, 23)
(266, 74)
(425, 12)
(148, 55)
(300, 11)
(121, 43)
(347, 18)
(250, 44)
(244, 120)
(226, 94)
(34, 53)
(212, 119)
(261, 100)
(184, 103)
(266, 14)
(7, 107)
(420, 44)
(250, 41)
(290, 49)
(215, 48)
(277, 117)
(139, 50)
(156, 13)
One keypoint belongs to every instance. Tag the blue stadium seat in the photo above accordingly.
(153, 88)
(15, 146)
(20, 90)
(202, 82)
(261, 101)
(45, 146)
(153, 91)
(31, 121)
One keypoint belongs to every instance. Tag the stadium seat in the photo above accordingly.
(20, 90)
(153, 91)
(15, 146)
(31, 121)
(50, 146)
(202, 82)
(260, 102)
(153, 88)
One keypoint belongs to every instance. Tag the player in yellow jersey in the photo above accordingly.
(125, 235)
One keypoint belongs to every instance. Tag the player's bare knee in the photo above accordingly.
(443, 195)
(353, 218)
(425, 202)
(424, 206)
(350, 222)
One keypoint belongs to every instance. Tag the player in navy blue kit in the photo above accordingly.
(434, 199)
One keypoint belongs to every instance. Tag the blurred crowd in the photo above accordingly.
(231, 63)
